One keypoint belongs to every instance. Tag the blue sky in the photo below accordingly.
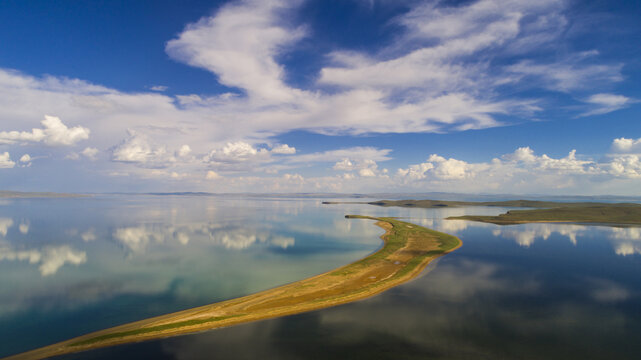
(321, 96)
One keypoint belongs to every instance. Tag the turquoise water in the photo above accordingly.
(69, 266)
(533, 291)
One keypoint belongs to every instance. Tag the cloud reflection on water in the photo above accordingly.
(138, 238)
(49, 258)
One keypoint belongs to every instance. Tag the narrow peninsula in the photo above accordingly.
(406, 251)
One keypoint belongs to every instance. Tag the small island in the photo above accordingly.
(622, 214)
(407, 249)
(610, 214)
(31, 195)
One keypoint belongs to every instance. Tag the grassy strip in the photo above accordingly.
(622, 214)
(509, 203)
(151, 329)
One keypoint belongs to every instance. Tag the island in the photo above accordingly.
(407, 249)
(30, 195)
(542, 211)
(607, 214)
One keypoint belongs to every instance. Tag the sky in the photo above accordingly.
(480, 96)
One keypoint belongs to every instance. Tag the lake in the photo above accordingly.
(70, 266)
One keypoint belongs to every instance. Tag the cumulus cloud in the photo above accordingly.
(283, 149)
(140, 150)
(440, 168)
(625, 145)
(625, 166)
(235, 152)
(88, 235)
(25, 160)
(54, 133)
(88, 153)
(364, 167)
(211, 175)
(183, 151)
(5, 161)
(521, 170)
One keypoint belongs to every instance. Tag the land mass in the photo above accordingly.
(20, 195)
(611, 214)
(509, 203)
(406, 251)
(543, 211)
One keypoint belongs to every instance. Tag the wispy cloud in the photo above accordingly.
(606, 103)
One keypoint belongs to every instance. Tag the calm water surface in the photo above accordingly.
(554, 291)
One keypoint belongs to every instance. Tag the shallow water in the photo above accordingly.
(533, 291)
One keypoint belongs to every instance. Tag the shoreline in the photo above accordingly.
(407, 249)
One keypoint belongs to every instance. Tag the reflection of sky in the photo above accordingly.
(503, 304)
(111, 260)
(116, 259)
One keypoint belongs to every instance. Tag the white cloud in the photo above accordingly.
(158, 88)
(606, 103)
(443, 73)
(90, 153)
(567, 75)
(26, 158)
(239, 44)
(54, 133)
(345, 165)
(5, 161)
(625, 145)
(88, 235)
(23, 228)
(138, 149)
(235, 152)
(520, 171)
(283, 149)
(366, 172)
(184, 151)
(439, 168)
(357, 153)
(626, 166)
(212, 175)
(364, 167)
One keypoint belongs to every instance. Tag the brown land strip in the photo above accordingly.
(612, 214)
(407, 250)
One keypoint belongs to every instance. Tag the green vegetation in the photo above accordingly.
(622, 214)
(509, 203)
(150, 329)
